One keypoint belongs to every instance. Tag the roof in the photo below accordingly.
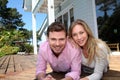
(27, 5)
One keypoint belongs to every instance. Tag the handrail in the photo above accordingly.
(41, 30)
(114, 45)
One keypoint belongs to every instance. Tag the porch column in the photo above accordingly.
(68, 20)
(34, 33)
(94, 19)
(51, 13)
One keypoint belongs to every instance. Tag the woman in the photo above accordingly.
(95, 51)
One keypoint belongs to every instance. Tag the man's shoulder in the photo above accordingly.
(44, 45)
(72, 51)
(71, 47)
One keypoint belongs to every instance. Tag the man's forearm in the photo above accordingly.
(40, 76)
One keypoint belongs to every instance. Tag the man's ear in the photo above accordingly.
(47, 38)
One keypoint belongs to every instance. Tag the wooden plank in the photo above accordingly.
(17, 63)
(114, 72)
(10, 68)
(4, 65)
(2, 76)
(23, 62)
(2, 60)
(26, 62)
(111, 78)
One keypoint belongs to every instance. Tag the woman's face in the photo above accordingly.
(79, 35)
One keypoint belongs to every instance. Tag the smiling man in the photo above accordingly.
(60, 55)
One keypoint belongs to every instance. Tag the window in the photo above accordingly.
(71, 15)
(59, 19)
(65, 19)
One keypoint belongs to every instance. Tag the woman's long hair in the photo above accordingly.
(91, 45)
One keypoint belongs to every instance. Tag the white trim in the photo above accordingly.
(68, 19)
(64, 10)
(115, 53)
(43, 26)
(35, 6)
(95, 18)
(63, 2)
(34, 32)
(51, 12)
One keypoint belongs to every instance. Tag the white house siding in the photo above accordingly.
(64, 5)
(85, 10)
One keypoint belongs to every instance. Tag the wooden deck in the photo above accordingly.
(22, 67)
(14, 64)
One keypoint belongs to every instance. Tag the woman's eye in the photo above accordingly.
(74, 34)
(81, 32)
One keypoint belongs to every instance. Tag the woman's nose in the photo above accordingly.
(79, 36)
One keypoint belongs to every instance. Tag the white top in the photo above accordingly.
(99, 64)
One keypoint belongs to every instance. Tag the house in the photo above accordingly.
(64, 11)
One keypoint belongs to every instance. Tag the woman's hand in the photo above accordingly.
(72, 42)
(85, 78)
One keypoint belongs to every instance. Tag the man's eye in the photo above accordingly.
(53, 39)
(62, 39)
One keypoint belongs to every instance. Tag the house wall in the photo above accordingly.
(63, 8)
(83, 9)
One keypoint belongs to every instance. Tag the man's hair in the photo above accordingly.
(56, 26)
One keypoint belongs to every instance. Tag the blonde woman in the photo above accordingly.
(94, 51)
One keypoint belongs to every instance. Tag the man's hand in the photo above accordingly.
(67, 78)
(49, 77)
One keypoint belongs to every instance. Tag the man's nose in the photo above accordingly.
(57, 42)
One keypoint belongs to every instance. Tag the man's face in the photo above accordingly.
(57, 41)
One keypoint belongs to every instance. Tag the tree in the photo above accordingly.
(106, 5)
(114, 24)
(110, 31)
(9, 17)
(11, 27)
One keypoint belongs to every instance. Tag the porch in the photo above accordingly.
(22, 67)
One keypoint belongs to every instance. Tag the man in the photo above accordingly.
(59, 53)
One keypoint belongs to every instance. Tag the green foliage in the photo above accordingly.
(10, 18)
(29, 48)
(7, 49)
(3, 4)
(2, 54)
(109, 30)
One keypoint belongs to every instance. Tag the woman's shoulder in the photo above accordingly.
(101, 43)
(102, 46)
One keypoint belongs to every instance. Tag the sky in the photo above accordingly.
(26, 16)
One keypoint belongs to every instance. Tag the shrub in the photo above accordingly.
(9, 50)
(28, 48)
(1, 54)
